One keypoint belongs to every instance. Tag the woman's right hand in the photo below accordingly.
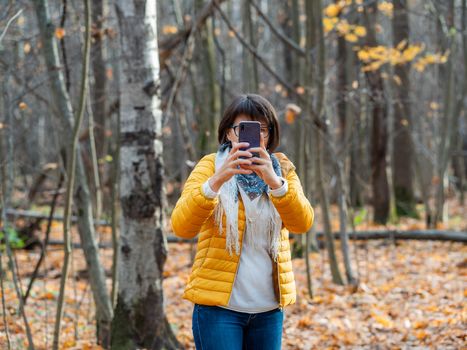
(232, 165)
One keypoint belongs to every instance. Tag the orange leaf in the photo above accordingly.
(169, 29)
(290, 116)
(59, 33)
(47, 295)
(304, 322)
(109, 73)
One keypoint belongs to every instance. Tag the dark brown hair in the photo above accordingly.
(257, 108)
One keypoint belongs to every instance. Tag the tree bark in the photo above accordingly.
(81, 194)
(100, 12)
(402, 145)
(140, 321)
(449, 112)
(379, 180)
(314, 35)
(250, 66)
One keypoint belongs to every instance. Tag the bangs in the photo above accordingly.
(251, 109)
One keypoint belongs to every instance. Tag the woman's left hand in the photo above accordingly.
(262, 166)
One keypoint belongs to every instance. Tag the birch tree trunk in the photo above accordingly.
(140, 321)
(81, 194)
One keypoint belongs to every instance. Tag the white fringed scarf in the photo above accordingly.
(261, 217)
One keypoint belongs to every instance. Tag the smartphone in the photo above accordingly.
(249, 131)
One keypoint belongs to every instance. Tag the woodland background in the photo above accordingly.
(107, 105)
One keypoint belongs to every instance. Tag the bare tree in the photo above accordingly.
(81, 194)
(379, 134)
(402, 145)
(71, 166)
(140, 321)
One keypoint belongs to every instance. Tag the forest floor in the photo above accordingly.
(411, 294)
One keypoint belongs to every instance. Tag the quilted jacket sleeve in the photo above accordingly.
(294, 208)
(193, 208)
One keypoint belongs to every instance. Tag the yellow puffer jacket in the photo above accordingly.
(214, 270)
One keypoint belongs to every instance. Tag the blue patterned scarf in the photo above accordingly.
(252, 184)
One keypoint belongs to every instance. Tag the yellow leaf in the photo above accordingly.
(397, 79)
(351, 37)
(68, 343)
(421, 335)
(386, 8)
(373, 66)
(420, 324)
(27, 47)
(343, 27)
(59, 33)
(317, 299)
(332, 10)
(21, 20)
(360, 31)
(363, 55)
(410, 52)
(444, 58)
(383, 320)
(402, 44)
(432, 307)
(419, 66)
(329, 23)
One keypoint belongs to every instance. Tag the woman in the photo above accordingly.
(243, 208)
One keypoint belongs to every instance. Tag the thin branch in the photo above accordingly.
(169, 44)
(8, 24)
(289, 42)
(186, 58)
(7, 331)
(63, 48)
(7, 183)
(46, 240)
(256, 55)
(73, 153)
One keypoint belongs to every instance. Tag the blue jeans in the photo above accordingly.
(216, 328)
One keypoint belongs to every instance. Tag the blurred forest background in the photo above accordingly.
(107, 105)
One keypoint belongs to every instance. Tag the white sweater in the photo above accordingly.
(253, 289)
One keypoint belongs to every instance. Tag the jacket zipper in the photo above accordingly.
(279, 286)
